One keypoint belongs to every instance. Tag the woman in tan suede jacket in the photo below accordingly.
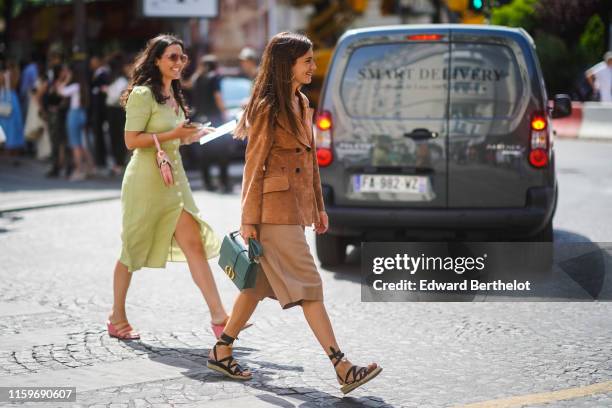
(281, 195)
(282, 183)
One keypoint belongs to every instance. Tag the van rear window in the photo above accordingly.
(486, 81)
(391, 81)
(411, 81)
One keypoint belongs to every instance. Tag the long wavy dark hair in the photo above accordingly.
(145, 72)
(78, 77)
(272, 89)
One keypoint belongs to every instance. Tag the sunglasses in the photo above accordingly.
(174, 57)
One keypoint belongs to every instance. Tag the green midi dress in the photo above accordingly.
(150, 209)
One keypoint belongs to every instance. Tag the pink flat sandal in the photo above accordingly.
(217, 329)
(125, 333)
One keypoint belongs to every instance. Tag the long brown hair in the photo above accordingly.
(146, 72)
(272, 89)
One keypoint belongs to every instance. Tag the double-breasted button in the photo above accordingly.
(297, 170)
(308, 149)
(297, 150)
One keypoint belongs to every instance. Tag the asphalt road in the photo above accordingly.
(584, 171)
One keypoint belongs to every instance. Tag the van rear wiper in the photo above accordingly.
(421, 134)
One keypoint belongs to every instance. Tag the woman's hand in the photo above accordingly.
(202, 131)
(323, 224)
(248, 231)
(189, 134)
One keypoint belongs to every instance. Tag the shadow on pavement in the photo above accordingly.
(30, 176)
(194, 360)
(7, 222)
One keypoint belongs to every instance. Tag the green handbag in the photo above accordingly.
(238, 263)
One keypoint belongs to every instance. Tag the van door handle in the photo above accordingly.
(421, 134)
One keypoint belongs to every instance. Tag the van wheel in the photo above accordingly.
(331, 249)
(546, 235)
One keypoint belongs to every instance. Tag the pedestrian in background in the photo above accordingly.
(29, 77)
(248, 62)
(281, 195)
(209, 106)
(97, 112)
(11, 119)
(600, 78)
(36, 130)
(169, 227)
(249, 67)
(119, 73)
(72, 85)
(56, 109)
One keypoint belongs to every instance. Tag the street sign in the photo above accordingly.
(180, 8)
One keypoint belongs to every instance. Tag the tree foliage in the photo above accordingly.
(567, 18)
(592, 40)
(569, 35)
(519, 13)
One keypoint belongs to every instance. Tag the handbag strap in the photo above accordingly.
(156, 143)
(255, 248)
(238, 256)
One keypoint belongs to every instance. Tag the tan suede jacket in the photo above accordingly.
(281, 182)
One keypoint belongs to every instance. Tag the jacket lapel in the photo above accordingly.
(304, 129)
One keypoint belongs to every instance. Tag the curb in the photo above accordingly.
(56, 203)
(588, 121)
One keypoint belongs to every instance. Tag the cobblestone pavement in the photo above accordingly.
(56, 292)
(56, 273)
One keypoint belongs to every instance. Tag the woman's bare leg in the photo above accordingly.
(187, 235)
(121, 284)
(88, 162)
(244, 306)
(77, 157)
(243, 309)
(318, 320)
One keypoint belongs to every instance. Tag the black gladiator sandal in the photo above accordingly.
(227, 366)
(360, 375)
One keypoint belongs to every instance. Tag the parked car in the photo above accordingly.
(235, 92)
(428, 131)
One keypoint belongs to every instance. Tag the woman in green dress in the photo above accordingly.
(160, 223)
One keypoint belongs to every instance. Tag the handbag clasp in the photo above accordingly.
(229, 271)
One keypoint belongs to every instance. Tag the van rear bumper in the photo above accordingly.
(532, 218)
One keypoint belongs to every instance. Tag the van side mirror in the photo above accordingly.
(562, 106)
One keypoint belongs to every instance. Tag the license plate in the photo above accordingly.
(370, 183)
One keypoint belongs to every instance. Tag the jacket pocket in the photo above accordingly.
(275, 183)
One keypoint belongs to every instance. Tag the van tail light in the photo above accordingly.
(324, 157)
(324, 121)
(324, 126)
(539, 146)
